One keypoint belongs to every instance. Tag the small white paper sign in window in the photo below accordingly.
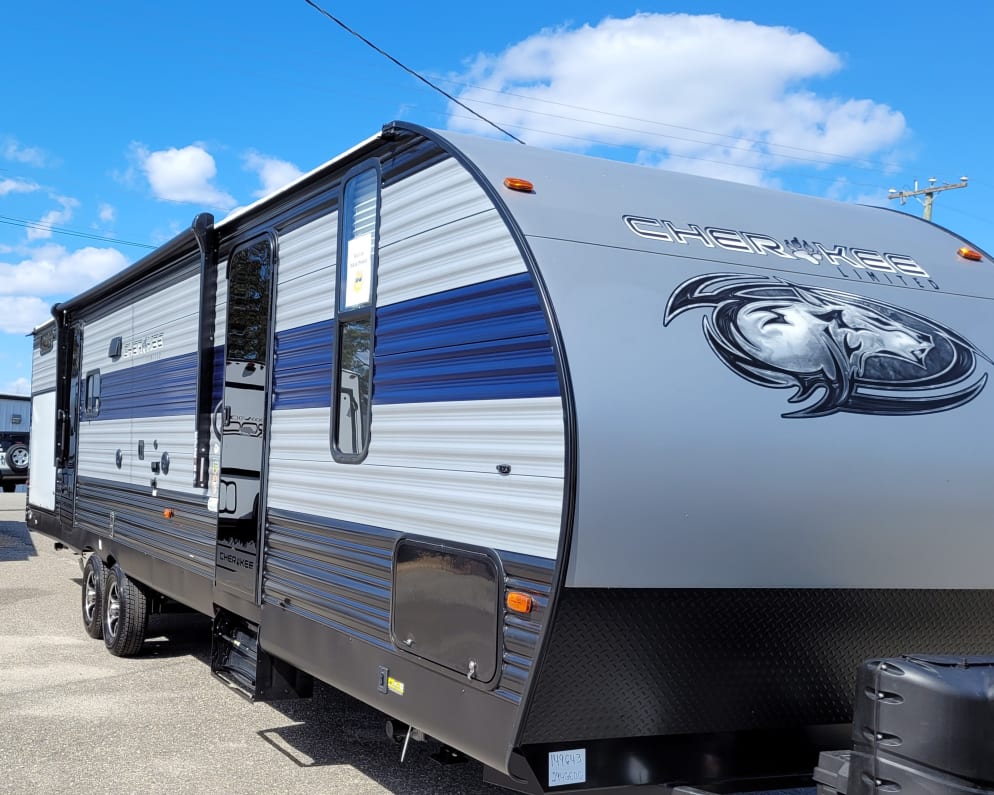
(358, 271)
(567, 767)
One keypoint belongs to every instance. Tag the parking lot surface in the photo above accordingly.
(73, 718)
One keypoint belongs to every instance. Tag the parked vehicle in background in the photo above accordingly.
(15, 427)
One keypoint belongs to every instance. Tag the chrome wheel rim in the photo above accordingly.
(19, 458)
(90, 596)
(113, 609)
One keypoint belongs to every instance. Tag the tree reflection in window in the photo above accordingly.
(250, 279)
(354, 352)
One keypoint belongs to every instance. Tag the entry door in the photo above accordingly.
(242, 418)
(68, 425)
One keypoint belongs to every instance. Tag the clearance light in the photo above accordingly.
(970, 254)
(168, 513)
(523, 185)
(519, 602)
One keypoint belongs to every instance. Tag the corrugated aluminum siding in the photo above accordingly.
(148, 396)
(458, 316)
(306, 272)
(44, 360)
(135, 519)
(432, 464)
(438, 232)
(15, 414)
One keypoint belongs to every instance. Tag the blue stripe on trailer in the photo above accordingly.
(514, 368)
(482, 342)
(302, 376)
(500, 309)
(164, 388)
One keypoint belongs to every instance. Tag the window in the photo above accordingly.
(91, 394)
(355, 288)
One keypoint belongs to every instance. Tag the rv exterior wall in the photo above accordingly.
(691, 313)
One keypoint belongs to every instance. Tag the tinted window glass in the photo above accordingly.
(248, 286)
(352, 430)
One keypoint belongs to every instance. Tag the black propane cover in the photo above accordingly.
(923, 723)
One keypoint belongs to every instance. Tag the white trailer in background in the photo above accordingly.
(15, 431)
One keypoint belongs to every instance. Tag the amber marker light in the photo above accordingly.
(519, 602)
(168, 513)
(971, 254)
(523, 185)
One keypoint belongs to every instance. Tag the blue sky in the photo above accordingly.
(119, 122)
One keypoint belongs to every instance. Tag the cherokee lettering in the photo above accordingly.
(796, 248)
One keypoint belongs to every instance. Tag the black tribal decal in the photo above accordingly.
(841, 352)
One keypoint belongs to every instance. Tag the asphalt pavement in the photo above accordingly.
(73, 718)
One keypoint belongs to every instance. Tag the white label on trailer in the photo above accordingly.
(358, 271)
(567, 767)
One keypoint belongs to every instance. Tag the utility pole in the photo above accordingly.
(928, 192)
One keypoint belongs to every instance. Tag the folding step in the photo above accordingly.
(242, 664)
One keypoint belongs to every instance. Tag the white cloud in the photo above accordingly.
(107, 213)
(20, 314)
(843, 190)
(29, 155)
(52, 270)
(183, 175)
(273, 173)
(19, 386)
(9, 185)
(699, 93)
(53, 218)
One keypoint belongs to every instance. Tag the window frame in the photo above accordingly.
(345, 317)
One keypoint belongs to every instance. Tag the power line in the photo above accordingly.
(856, 162)
(835, 158)
(69, 232)
(407, 69)
(671, 154)
(732, 144)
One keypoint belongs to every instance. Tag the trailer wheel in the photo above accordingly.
(18, 457)
(94, 581)
(125, 613)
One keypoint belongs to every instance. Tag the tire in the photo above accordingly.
(92, 602)
(125, 613)
(18, 458)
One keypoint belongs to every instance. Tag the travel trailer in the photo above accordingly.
(602, 475)
(15, 432)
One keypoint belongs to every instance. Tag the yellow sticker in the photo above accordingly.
(395, 686)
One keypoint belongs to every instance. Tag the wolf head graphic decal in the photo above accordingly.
(841, 352)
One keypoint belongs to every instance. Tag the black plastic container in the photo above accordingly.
(923, 724)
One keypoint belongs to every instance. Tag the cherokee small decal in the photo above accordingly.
(842, 352)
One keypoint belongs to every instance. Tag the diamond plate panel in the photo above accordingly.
(626, 663)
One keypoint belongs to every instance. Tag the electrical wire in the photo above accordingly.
(835, 156)
(55, 230)
(673, 155)
(410, 71)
